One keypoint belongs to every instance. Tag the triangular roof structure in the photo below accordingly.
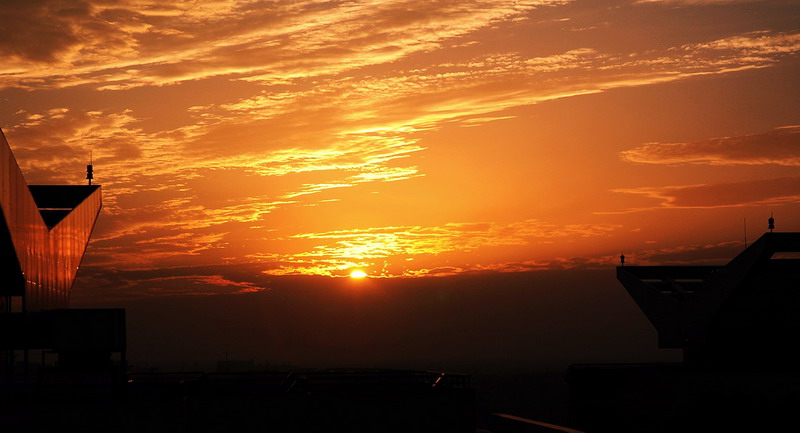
(746, 311)
(44, 231)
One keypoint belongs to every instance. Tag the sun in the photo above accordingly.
(358, 274)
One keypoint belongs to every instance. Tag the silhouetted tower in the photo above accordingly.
(90, 170)
(771, 222)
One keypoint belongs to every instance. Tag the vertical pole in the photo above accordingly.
(745, 233)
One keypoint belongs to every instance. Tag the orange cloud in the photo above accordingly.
(779, 147)
(734, 194)
(336, 252)
(128, 44)
(180, 281)
(706, 254)
(341, 96)
(363, 127)
(695, 2)
(550, 264)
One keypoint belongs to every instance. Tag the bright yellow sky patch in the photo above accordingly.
(358, 274)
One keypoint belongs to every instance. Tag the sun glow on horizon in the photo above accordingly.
(303, 140)
(358, 274)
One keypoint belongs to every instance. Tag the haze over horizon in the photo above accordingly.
(244, 144)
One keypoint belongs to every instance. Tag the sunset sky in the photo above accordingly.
(240, 141)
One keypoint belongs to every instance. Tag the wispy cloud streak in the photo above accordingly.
(720, 195)
(779, 147)
(336, 252)
(126, 44)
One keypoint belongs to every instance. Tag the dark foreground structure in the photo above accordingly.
(366, 401)
(48, 352)
(301, 401)
(737, 325)
(44, 231)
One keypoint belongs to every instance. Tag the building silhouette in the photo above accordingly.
(743, 313)
(44, 231)
(737, 326)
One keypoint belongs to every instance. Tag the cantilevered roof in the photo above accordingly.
(56, 201)
(753, 301)
(44, 231)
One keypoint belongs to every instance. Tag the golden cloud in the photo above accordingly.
(338, 251)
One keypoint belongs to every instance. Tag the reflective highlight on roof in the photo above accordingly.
(44, 231)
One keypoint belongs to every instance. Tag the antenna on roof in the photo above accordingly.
(621, 259)
(90, 169)
(771, 222)
(745, 233)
